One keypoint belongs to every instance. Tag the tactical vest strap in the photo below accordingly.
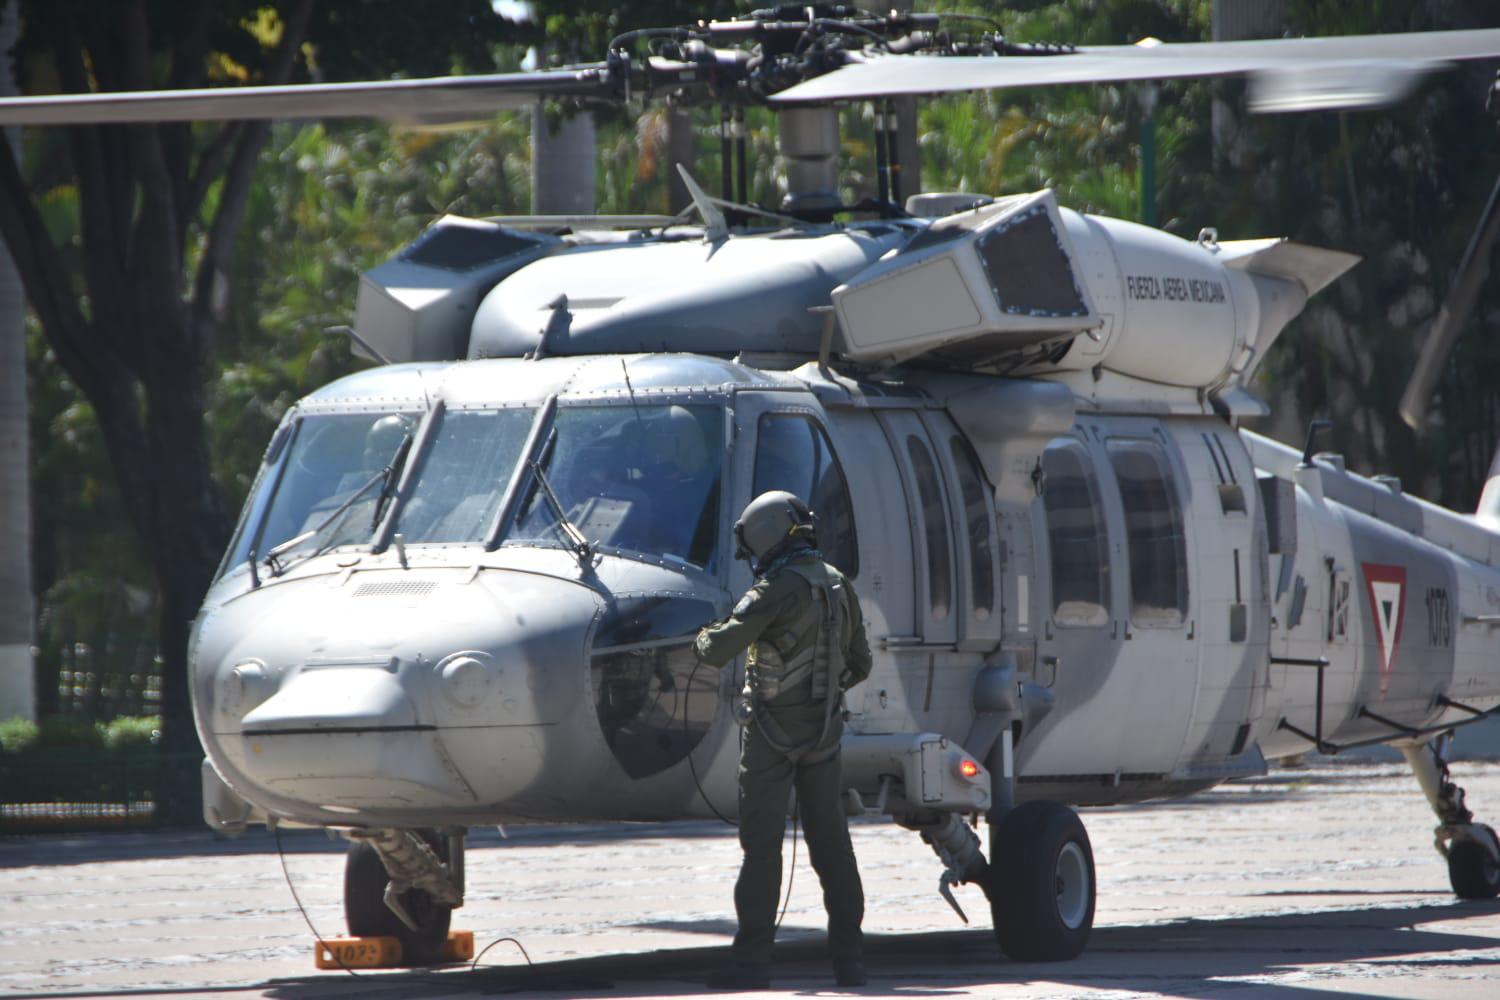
(826, 655)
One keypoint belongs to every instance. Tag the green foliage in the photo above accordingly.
(131, 732)
(1084, 142)
(580, 30)
(1402, 187)
(95, 591)
(334, 201)
(17, 734)
(58, 732)
(66, 732)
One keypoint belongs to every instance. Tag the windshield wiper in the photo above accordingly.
(514, 496)
(388, 488)
(386, 476)
(580, 544)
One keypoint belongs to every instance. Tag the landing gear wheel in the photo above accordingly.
(1471, 870)
(1041, 883)
(365, 912)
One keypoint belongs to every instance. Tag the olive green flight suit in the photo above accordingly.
(793, 740)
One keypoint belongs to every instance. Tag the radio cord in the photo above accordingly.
(796, 808)
(296, 898)
(687, 713)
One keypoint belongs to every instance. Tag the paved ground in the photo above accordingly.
(1310, 884)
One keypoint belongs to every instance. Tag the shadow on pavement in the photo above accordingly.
(56, 850)
(1182, 958)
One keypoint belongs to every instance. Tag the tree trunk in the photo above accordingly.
(17, 680)
(192, 531)
(139, 349)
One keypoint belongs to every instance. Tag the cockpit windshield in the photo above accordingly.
(327, 487)
(463, 474)
(634, 478)
(640, 478)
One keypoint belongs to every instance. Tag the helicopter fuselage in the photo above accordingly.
(1170, 584)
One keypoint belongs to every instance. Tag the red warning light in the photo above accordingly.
(968, 768)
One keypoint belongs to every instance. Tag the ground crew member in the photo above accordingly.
(802, 627)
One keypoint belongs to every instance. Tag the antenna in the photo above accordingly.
(715, 226)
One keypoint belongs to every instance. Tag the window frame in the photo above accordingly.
(819, 435)
(964, 468)
(1173, 489)
(946, 573)
(1080, 450)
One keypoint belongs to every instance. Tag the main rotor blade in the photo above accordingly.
(1450, 321)
(1295, 73)
(439, 98)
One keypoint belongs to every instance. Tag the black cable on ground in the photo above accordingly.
(492, 944)
(323, 942)
(796, 812)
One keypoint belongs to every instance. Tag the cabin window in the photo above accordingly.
(1076, 536)
(1154, 530)
(794, 454)
(934, 528)
(977, 518)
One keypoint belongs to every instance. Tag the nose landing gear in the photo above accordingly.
(404, 884)
(1472, 850)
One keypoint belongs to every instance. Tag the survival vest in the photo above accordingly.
(811, 647)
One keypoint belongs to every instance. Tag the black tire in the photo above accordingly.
(1471, 871)
(1041, 883)
(367, 915)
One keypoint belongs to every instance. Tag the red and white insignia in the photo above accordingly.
(1386, 586)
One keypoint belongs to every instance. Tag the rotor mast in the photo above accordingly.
(810, 149)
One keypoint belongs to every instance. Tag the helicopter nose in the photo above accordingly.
(420, 691)
(348, 736)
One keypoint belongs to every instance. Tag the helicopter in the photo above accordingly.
(464, 587)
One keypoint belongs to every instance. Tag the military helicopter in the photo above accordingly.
(465, 584)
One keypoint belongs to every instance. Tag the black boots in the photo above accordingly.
(744, 976)
(741, 976)
(849, 972)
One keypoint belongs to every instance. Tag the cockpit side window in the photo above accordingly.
(934, 527)
(794, 454)
(977, 519)
(637, 477)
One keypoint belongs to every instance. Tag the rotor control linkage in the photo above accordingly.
(957, 846)
(412, 864)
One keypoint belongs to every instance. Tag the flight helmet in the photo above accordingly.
(769, 524)
(383, 438)
(675, 447)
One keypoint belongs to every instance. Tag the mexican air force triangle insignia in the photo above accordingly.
(1386, 586)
